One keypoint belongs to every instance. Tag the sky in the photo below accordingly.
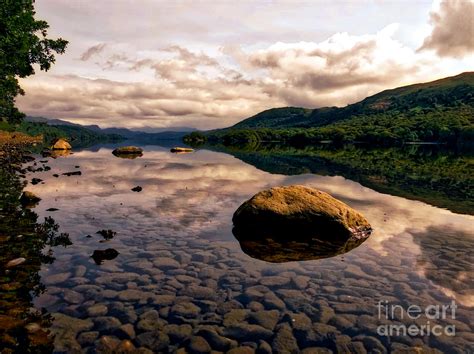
(209, 64)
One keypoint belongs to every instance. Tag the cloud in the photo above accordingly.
(453, 29)
(202, 102)
(94, 50)
(177, 86)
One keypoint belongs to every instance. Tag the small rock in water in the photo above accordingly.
(128, 152)
(178, 149)
(52, 209)
(15, 262)
(100, 256)
(137, 189)
(198, 344)
(29, 198)
(74, 173)
(55, 175)
(36, 181)
(107, 234)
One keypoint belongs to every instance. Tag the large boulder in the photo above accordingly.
(299, 213)
(128, 152)
(60, 144)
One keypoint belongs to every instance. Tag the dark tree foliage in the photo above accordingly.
(23, 43)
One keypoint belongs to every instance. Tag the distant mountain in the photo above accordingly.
(448, 92)
(145, 133)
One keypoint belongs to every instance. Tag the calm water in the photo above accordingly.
(180, 271)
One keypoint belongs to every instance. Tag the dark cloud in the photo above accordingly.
(94, 50)
(453, 29)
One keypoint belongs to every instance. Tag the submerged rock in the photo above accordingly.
(297, 223)
(137, 189)
(60, 144)
(100, 256)
(128, 152)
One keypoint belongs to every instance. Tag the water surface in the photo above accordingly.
(179, 270)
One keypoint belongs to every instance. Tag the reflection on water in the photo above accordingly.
(276, 250)
(178, 266)
(58, 153)
(431, 173)
(446, 260)
(25, 245)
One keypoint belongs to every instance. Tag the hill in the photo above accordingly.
(77, 135)
(145, 134)
(440, 111)
(444, 93)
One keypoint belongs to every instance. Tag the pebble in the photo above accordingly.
(73, 297)
(199, 292)
(165, 263)
(106, 323)
(243, 331)
(155, 340)
(217, 341)
(126, 331)
(132, 295)
(198, 345)
(274, 281)
(15, 262)
(242, 350)
(56, 278)
(178, 333)
(284, 341)
(185, 309)
(87, 338)
(97, 310)
(266, 319)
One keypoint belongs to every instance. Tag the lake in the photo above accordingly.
(174, 267)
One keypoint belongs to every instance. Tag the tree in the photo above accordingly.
(23, 43)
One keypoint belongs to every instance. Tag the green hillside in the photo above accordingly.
(449, 92)
(77, 135)
(441, 111)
